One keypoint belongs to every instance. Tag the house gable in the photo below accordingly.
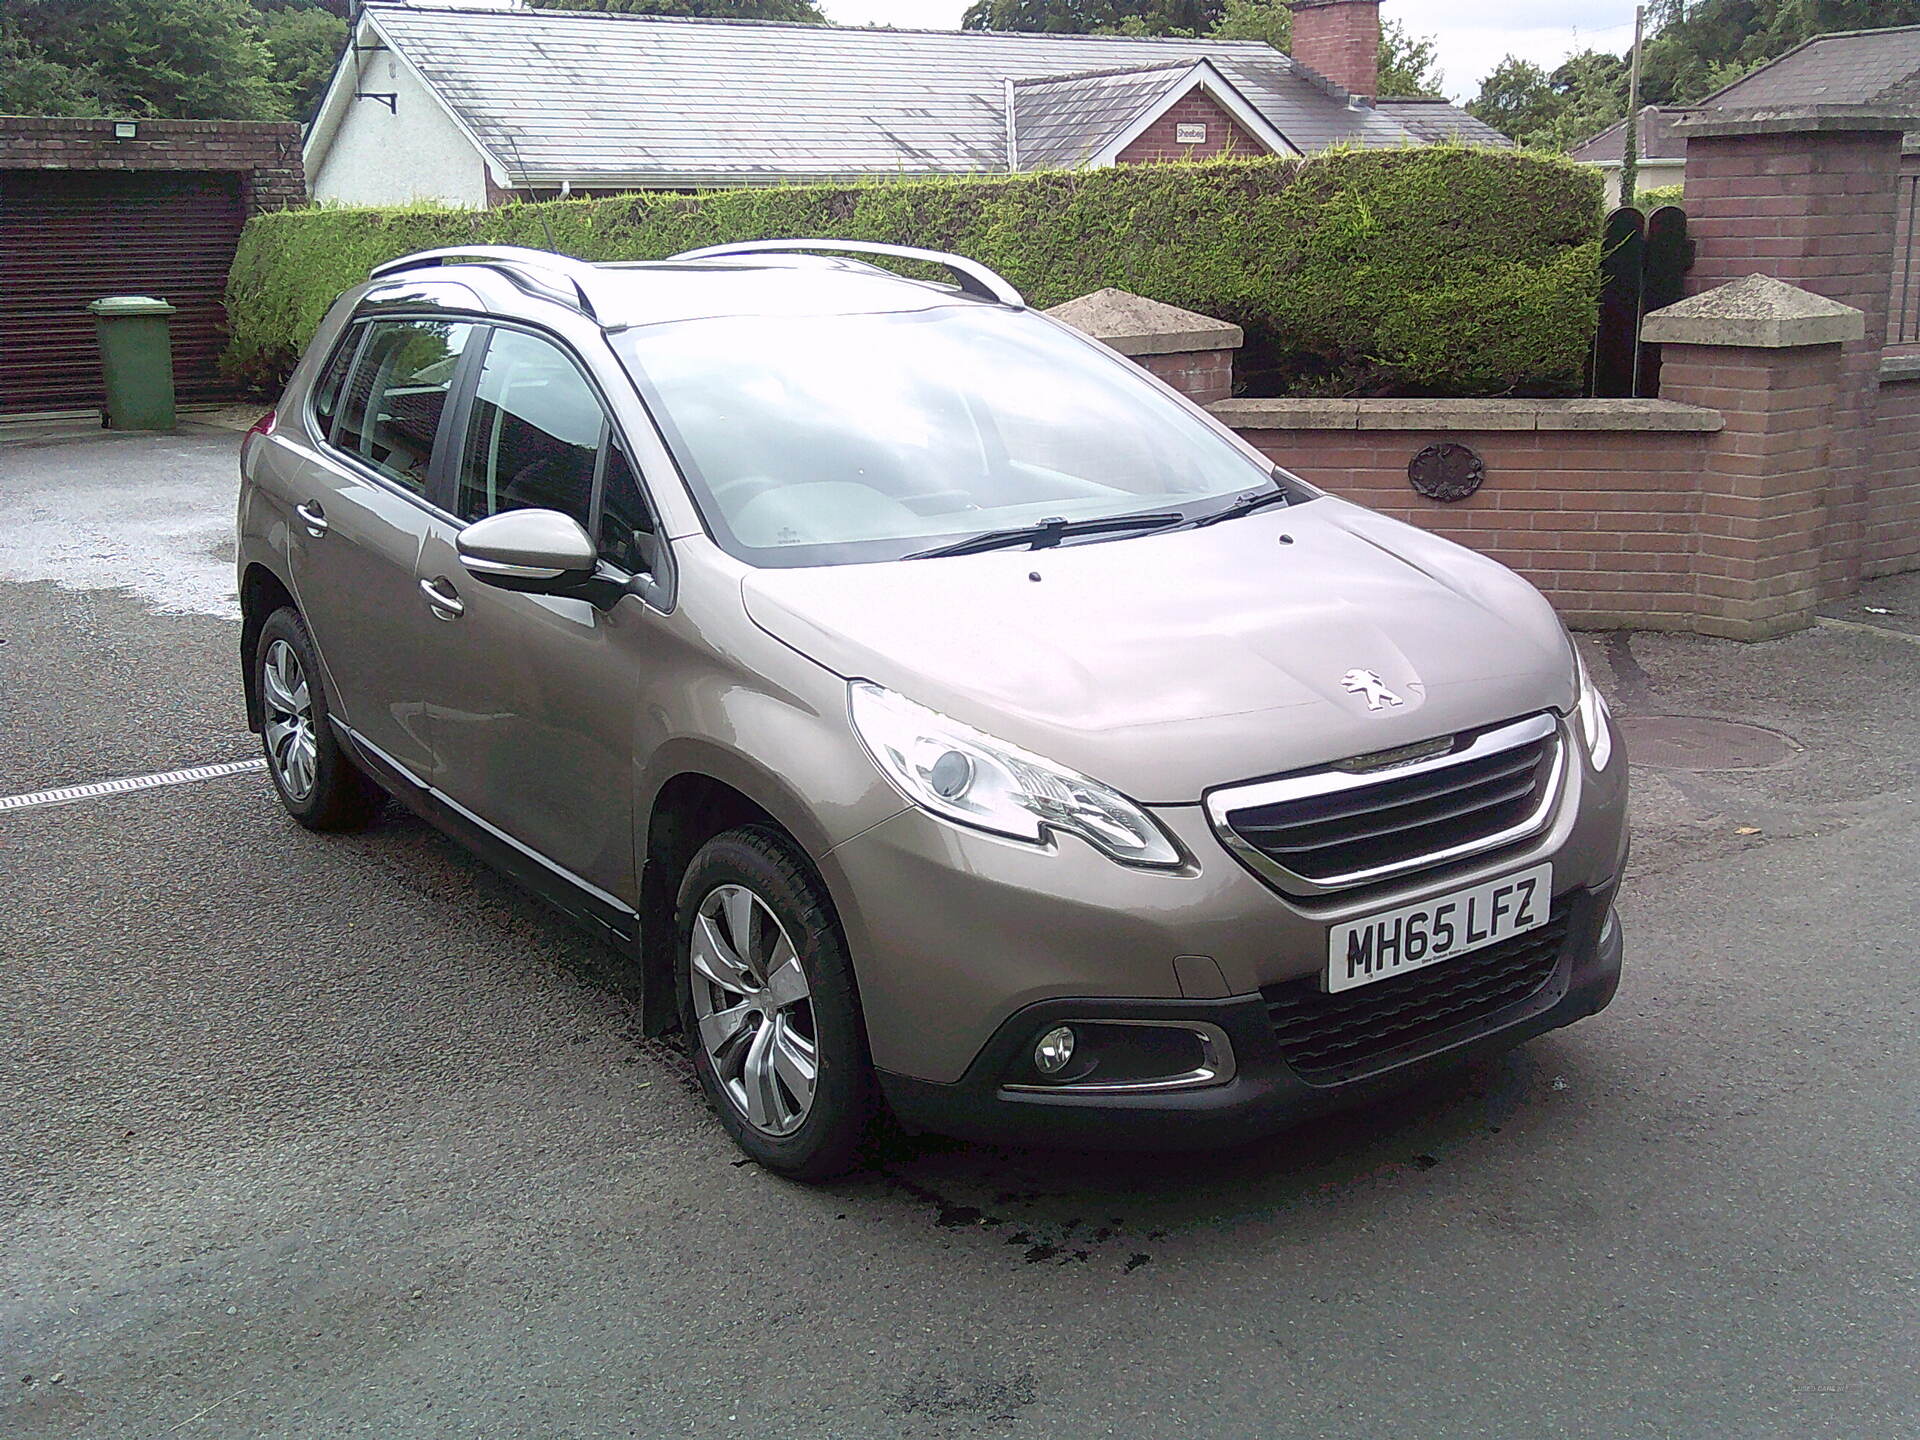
(1194, 127)
(1109, 117)
(384, 136)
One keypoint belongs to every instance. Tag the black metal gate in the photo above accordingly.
(71, 236)
(1643, 267)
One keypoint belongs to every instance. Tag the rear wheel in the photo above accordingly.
(769, 1005)
(315, 778)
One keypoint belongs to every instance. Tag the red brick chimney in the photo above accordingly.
(1340, 39)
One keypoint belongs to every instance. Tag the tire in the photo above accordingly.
(315, 778)
(764, 1020)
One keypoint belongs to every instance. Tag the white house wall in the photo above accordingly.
(414, 152)
(1654, 175)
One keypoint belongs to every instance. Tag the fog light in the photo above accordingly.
(1053, 1052)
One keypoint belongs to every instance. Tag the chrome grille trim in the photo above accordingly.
(1223, 804)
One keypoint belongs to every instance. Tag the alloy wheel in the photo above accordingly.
(754, 1009)
(292, 746)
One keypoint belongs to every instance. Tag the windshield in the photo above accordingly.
(824, 439)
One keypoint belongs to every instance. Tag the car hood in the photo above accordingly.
(1165, 665)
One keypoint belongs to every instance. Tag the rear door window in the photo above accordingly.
(391, 409)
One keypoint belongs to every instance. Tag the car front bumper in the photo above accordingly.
(1265, 1093)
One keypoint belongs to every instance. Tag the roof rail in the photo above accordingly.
(973, 279)
(534, 271)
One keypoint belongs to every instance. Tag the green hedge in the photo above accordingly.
(1435, 271)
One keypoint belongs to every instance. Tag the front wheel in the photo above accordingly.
(768, 1000)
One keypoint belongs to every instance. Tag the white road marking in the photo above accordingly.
(100, 788)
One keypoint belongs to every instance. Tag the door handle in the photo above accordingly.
(442, 600)
(313, 517)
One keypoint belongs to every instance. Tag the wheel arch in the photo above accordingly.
(698, 792)
(261, 593)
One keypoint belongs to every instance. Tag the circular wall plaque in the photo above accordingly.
(1446, 472)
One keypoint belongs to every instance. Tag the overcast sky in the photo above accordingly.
(1473, 34)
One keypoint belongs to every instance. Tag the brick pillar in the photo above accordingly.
(1808, 196)
(1341, 40)
(1771, 358)
(1188, 351)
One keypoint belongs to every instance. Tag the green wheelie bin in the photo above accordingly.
(136, 355)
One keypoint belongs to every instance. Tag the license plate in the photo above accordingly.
(1413, 937)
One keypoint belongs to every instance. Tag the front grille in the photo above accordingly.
(1331, 829)
(1329, 1038)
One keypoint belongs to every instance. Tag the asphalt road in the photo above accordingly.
(316, 1136)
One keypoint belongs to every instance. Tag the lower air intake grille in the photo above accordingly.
(1328, 1038)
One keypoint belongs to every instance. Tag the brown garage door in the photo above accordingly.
(71, 236)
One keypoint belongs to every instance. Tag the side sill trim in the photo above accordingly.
(553, 881)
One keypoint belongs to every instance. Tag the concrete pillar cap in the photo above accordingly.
(1135, 325)
(1759, 313)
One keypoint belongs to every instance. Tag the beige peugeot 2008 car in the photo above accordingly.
(943, 714)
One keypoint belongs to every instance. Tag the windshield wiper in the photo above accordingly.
(1047, 533)
(1245, 505)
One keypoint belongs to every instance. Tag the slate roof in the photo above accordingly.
(1857, 67)
(1658, 139)
(617, 100)
(1435, 121)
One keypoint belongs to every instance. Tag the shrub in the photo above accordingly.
(1652, 200)
(1433, 271)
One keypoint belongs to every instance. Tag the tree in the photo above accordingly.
(177, 59)
(1554, 110)
(802, 12)
(34, 83)
(304, 43)
(1696, 47)
(1094, 17)
(1268, 20)
(1408, 63)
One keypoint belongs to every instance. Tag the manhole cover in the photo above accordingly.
(1683, 742)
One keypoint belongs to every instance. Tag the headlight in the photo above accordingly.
(1592, 709)
(959, 773)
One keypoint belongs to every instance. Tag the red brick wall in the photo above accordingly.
(1224, 133)
(1602, 521)
(266, 153)
(1765, 483)
(1892, 540)
(1204, 376)
(1815, 210)
(1341, 40)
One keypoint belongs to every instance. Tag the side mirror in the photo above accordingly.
(537, 552)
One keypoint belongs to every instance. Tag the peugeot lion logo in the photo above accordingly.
(1365, 682)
